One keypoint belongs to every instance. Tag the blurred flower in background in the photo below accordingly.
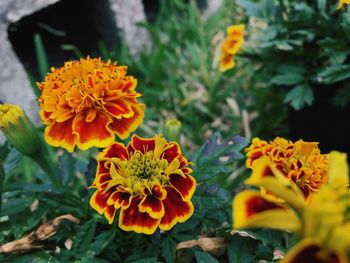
(230, 46)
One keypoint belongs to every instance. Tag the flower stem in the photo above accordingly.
(2, 176)
(45, 159)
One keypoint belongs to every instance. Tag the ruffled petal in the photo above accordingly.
(110, 213)
(122, 127)
(184, 185)
(141, 144)
(338, 174)
(98, 201)
(60, 134)
(93, 133)
(172, 151)
(131, 219)
(309, 251)
(176, 210)
(119, 108)
(119, 199)
(153, 206)
(115, 150)
(251, 209)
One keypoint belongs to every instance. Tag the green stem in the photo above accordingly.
(45, 159)
(2, 176)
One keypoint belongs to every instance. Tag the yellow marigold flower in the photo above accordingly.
(301, 162)
(86, 103)
(321, 224)
(148, 180)
(343, 3)
(230, 46)
(18, 129)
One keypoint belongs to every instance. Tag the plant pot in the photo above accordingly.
(322, 121)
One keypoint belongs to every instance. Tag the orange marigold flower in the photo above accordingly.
(148, 180)
(301, 162)
(230, 46)
(86, 102)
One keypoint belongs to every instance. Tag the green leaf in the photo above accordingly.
(300, 96)
(82, 242)
(288, 79)
(146, 260)
(168, 250)
(335, 73)
(241, 250)
(41, 56)
(204, 257)
(103, 240)
(211, 159)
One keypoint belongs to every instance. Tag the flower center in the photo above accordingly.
(146, 167)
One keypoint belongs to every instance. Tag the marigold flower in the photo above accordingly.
(18, 129)
(230, 46)
(301, 162)
(320, 224)
(148, 180)
(86, 103)
(343, 3)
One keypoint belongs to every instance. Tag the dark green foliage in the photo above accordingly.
(310, 36)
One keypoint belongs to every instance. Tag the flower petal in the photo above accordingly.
(94, 133)
(141, 144)
(184, 185)
(119, 108)
(119, 199)
(153, 206)
(309, 251)
(122, 127)
(60, 134)
(172, 151)
(131, 219)
(226, 62)
(251, 209)
(176, 210)
(338, 174)
(98, 201)
(110, 213)
(115, 150)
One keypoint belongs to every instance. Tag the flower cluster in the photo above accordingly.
(230, 46)
(301, 162)
(320, 223)
(148, 180)
(85, 103)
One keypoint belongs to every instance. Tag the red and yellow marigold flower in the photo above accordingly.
(148, 180)
(86, 103)
(230, 46)
(343, 3)
(321, 224)
(301, 162)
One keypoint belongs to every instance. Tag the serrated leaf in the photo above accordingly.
(210, 159)
(288, 79)
(204, 257)
(82, 242)
(334, 74)
(300, 96)
(168, 250)
(241, 250)
(146, 260)
(103, 240)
